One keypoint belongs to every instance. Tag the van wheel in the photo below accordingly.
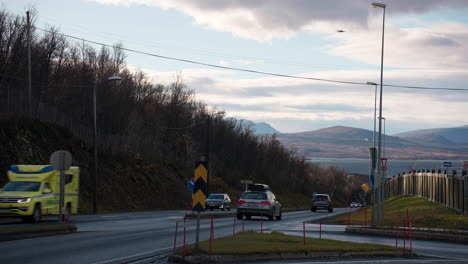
(37, 215)
(68, 212)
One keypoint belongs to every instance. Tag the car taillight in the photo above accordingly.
(241, 202)
(265, 203)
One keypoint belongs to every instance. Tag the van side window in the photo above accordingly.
(46, 186)
(68, 178)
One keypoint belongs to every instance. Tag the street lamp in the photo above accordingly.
(379, 153)
(373, 159)
(207, 154)
(112, 78)
(375, 109)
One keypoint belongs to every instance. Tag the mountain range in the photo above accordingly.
(349, 142)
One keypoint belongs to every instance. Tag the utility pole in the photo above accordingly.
(28, 23)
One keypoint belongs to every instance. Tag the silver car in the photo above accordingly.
(258, 200)
(218, 201)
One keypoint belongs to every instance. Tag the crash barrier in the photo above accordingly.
(211, 237)
(445, 187)
(304, 231)
(406, 233)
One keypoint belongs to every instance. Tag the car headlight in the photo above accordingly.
(24, 200)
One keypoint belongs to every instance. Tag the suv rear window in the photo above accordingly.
(320, 198)
(254, 195)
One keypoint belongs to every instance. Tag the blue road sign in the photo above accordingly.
(190, 184)
(372, 180)
(447, 164)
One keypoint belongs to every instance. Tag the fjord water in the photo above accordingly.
(361, 166)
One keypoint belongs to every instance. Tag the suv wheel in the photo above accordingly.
(229, 208)
(278, 217)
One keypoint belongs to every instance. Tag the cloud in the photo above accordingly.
(300, 104)
(265, 20)
(439, 45)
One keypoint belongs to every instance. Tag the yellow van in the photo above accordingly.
(34, 191)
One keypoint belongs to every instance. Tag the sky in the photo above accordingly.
(426, 44)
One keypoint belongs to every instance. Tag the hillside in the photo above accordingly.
(438, 136)
(121, 179)
(348, 142)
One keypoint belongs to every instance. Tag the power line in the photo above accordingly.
(246, 70)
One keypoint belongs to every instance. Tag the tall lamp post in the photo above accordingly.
(373, 159)
(379, 151)
(112, 78)
(207, 154)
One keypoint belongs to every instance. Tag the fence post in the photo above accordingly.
(465, 193)
(304, 232)
(320, 229)
(175, 235)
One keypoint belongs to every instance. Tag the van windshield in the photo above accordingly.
(216, 196)
(22, 187)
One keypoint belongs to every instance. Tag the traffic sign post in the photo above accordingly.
(246, 182)
(61, 161)
(447, 164)
(199, 193)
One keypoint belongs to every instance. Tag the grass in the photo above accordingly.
(250, 242)
(423, 213)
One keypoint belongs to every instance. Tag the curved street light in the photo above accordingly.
(380, 213)
(112, 78)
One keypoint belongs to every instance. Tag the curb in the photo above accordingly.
(415, 234)
(283, 256)
(231, 213)
(36, 231)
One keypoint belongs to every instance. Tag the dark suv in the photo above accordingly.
(258, 200)
(321, 201)
(218, 201)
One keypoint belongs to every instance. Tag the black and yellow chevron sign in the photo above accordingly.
(199, 189)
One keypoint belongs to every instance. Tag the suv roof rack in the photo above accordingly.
(258, 187)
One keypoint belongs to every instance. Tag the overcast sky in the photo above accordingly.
(426, 43)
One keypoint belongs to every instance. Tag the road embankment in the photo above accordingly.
(40, 230)
(422, 235)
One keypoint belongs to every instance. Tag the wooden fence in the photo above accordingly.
(444, 187)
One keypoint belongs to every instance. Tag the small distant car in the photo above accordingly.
(258, 200)
(218, 201)
(354, 205)
(321, 201)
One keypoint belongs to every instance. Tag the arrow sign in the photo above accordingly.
(199, 189)
(190, 184)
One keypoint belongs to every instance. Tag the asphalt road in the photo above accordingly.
(116, 238)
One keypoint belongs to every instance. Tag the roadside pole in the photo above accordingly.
(199, 193)
(61, 161)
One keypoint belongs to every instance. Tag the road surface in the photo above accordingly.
(115, 238)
